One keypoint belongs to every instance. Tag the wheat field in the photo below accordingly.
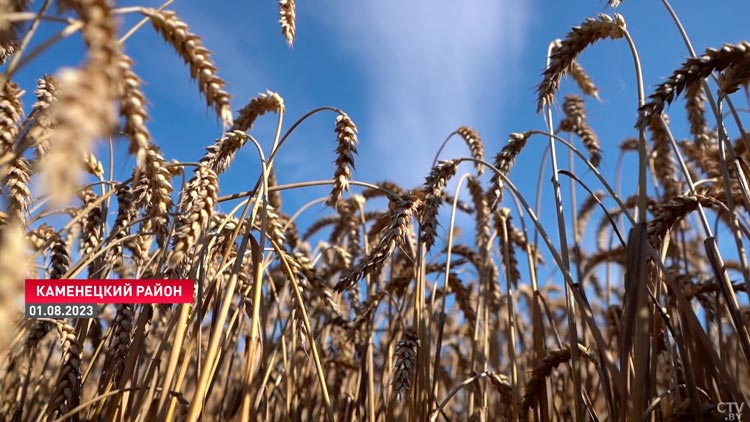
(375, 311)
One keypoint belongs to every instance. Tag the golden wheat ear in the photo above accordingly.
(575, 122)
(85, 108)
(152, 191)
(346, 139)
(268, 102)
(11, 112)
(198, 58)
(406, 362)
(8, 45)
(196, 208)
(393, 234)
(433, 188)
(504, 161)
(589, 32)
(474, 141)
(10, 31)
(732, 58)
(133, 111)
(67, 393)
(287, 20)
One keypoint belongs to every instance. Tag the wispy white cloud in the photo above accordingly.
(430, 66)
(421, 69)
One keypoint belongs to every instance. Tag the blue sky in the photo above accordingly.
(408, 73)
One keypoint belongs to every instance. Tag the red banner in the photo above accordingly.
(109, 291)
